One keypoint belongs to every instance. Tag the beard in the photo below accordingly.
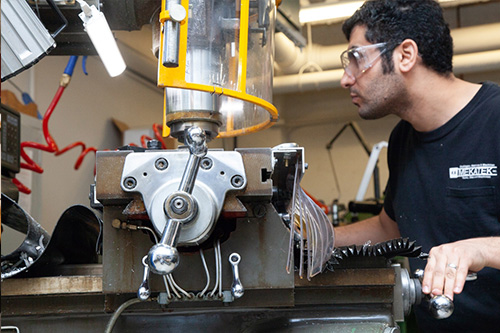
(388, 95)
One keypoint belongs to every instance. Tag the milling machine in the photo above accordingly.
(201, 240)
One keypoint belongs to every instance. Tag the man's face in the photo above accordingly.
(374, 93)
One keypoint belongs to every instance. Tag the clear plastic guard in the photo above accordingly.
(316, 233)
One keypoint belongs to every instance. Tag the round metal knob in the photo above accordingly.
(237, 290)
(441, 307)
(177, 12)
(163, 259)
(143, 293)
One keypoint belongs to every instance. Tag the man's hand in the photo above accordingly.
(449, 264)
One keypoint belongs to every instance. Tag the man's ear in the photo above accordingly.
(407, 55)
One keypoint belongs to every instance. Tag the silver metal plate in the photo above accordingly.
(141, 174)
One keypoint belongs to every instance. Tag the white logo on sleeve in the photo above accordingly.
(482, 170)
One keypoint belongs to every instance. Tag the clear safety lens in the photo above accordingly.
(358, 60)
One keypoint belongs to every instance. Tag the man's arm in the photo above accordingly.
(449, 264)
(375, 229)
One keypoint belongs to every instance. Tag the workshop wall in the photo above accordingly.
(83, 114)
(85, 110)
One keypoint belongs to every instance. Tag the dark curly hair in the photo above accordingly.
(393, 21)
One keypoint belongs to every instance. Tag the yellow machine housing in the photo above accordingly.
(223, 79)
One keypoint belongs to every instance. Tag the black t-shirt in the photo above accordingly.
(444, 186)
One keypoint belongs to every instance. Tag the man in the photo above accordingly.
(444, 156)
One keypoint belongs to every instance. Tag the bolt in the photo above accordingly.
(206, 163)
(129, 183)
(179, 205)
(237, 181)
(259, 211)
(161, 164)
(116, 223)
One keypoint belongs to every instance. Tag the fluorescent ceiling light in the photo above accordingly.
(335, 11)
(330, 12)
(454, 3)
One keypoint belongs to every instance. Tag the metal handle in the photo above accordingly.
(440, 306)
(179, 207)
(196, 140)
(163, 257)
(144, 292)
(236, 288)
(171, 29)
(64, 21)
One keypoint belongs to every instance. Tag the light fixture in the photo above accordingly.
(455, 3)
(328, 12)
(336, 11)
(97, 28)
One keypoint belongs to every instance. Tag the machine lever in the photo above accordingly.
(237, 288)
(440, 306)
(171, 29)
(196, 140)
(144, 292)
(179, 207)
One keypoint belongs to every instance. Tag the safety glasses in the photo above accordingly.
(358, 60)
